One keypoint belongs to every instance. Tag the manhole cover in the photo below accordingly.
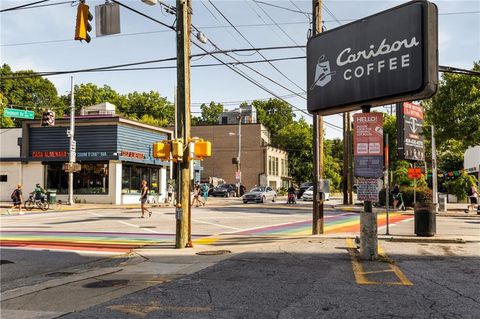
(4, 261)
(213, 252)
(106, 283)
(59, 274)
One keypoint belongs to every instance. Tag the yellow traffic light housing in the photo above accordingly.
(83, 26)
(202, 149)
(177, 149)
(161, 150)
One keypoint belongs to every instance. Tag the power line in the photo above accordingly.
(307, 14)
(23, 6)
(280, 7)
(144, 15)
(238, 31)
(47, 5)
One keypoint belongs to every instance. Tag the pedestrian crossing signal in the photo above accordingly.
(48, 118)
(83, 23)
(161, 150)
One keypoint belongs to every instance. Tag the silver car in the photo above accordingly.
(308, 194)
(260, 195)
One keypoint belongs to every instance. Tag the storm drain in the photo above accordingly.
(213, 252)
(60, 274)
(4, 261)
(106, 283)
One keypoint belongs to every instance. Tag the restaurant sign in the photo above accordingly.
(49, 154)
(385, 58)
(368, 144)
(410, 132)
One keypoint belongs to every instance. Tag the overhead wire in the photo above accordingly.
(238, 31)
(23, 6)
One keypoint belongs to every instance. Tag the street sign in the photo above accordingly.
(368, 189)
(385, 58)
(22, 114)
(368, 144)
(409, 130)
(414, 173)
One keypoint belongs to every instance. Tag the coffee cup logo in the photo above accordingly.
(323, 75)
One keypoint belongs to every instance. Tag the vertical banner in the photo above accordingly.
(410, 125)
(368, 144)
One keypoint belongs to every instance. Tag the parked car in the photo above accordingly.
(224, 190)
(260, 195)
(303, 188)
(308, 194)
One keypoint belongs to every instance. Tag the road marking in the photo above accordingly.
(94, 214)
(218, 225)
(136, 226)
(206, 240)
(361, 275)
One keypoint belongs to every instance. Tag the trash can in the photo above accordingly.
(425, 220)
(51, 196)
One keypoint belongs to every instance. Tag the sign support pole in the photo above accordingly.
(434, 172)
(72, 141)
(317, 223)
(368, 225)
(387, 182)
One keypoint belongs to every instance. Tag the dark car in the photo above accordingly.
(224, 190)
(303, 188)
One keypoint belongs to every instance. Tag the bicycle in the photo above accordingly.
(401, 204)
(32, 203)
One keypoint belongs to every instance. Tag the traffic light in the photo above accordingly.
(202, 149)
(161, 150)
(83, 23)
(48, 118)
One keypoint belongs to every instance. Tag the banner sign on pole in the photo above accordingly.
(385, 58)
(414, 173)
(368, 144)
(410, 132)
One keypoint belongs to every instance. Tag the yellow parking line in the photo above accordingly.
(206, 240)
(361, 275)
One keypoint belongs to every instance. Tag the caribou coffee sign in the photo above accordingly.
(385, 58)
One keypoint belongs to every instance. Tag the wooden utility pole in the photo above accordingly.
(183, 209)
(317, 225)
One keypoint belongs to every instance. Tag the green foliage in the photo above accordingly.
(275, 114)
(400, 175)
(210, 113)
(296, 138)
(5, 121)
(333, 162)
(455, 109)
(461, 185)
(34, 94)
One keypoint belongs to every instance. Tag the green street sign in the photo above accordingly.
(23, 114)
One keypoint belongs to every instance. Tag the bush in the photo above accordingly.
(460, 186)
(424, 195)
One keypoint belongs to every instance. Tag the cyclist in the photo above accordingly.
(39, 193)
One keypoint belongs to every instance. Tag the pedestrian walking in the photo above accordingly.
(170, 193)
(395, 195)
(205, 193)
(144, 198)
(196, 196)
(17, 199)
(472, 195)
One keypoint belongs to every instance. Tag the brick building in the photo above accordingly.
(261, 164)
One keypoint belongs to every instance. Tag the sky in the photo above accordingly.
(41, 39)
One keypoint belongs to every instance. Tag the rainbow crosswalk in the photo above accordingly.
(84, 241)
(116, 242)
(339, 223)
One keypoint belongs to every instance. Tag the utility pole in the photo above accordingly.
(387, 182)
(317, 225)
(72, 153)
(183, 210)
(434, 172)
(350, 159)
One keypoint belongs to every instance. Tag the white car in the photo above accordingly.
(308, 194)
(260, 195)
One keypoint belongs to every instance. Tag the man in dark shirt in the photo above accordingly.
(17, 199)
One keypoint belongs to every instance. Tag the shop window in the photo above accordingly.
(136, 177)
(126, 178)
(3, 178)
(154, 181)
(92, 179)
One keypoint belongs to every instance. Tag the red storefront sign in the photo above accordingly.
(132, 154)
(49, 154)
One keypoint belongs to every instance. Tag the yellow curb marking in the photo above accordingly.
(206, 240)
(360, 273)
(143, 310)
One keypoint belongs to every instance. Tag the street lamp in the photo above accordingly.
(238, 173)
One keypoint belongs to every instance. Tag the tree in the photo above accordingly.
(455, 109)
(87, 94)
(296, 139)
(152, 104)
(210, 113)
(275, 114)
(32, 93)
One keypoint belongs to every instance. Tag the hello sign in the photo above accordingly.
(386, 58)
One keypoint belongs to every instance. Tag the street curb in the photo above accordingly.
(428, 240)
